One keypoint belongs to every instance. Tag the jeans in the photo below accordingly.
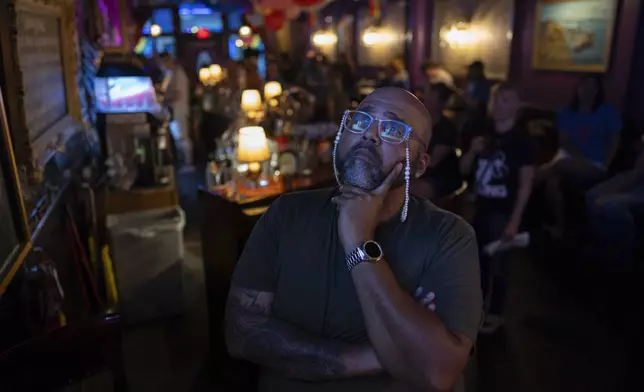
(612, 220)
(489, 226)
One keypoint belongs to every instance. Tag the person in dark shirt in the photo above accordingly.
(442, 175)
(611, 210)
(501, 160)
(323, 297)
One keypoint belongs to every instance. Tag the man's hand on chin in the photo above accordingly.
(360, 211)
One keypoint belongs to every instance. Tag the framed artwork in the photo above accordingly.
(573, 35)
(14, 233)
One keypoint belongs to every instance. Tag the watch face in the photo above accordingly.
(372, 249)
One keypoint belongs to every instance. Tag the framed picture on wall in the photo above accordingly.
(573, 35)
(14, 233)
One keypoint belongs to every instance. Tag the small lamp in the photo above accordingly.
(272, 90)
(251, 103)
(204, 75)
(216, 73)
(252, 148)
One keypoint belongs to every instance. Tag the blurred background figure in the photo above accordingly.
(478, 88)
(399, 77)
(589, 132)
(436, 73)
(442, 175)
(178, 98)
(612, 206)
(501, 161)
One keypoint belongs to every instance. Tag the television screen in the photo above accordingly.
(129, 94)
(196, 16)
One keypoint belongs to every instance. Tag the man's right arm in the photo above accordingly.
(252, 334)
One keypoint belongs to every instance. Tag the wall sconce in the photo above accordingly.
(460, 35)
(155, 30)
(245, 32)
(377, 35)
(324, 38)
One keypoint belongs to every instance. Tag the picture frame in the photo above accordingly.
(574, 36)
(14, 229)
(40, 46)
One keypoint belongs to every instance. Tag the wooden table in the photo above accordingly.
(255, 201)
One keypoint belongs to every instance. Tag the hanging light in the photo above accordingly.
(245, 31)
(155, 30)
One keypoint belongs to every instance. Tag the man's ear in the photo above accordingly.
(423, 162)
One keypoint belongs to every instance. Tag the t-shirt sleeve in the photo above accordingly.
(257, 266)
(453, 275)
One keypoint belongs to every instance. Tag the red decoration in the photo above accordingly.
(308, 3)
(275, 20)
(202, 34)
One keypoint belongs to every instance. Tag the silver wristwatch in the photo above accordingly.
(370, 252)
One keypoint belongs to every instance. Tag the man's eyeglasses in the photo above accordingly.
(389, 131)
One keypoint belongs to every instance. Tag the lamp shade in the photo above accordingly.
(204, 75)
(272, 90)
(216, 72)
(251, 101)
(253, 146)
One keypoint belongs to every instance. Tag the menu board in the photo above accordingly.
(40, 61)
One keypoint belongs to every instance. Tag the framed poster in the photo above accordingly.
(14, 233)
(573, 35)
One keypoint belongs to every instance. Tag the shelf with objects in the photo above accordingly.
(270, 145)
(143, 218)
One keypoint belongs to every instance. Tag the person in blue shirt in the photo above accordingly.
(589, 132)
(478, 88)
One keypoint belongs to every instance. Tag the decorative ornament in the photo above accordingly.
(309, 3)
(276, 5)
(261, 9)
(293, 12)
(275, 20)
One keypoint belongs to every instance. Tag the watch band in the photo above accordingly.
(359, 255)
(356, 257)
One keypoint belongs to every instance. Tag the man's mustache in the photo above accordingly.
(369, 147)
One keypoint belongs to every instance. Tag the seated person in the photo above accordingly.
(328, 293)
(610, 208)
(502, 162)
(589, 137)
(442, 175)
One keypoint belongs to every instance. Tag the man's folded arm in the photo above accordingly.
(252, 334)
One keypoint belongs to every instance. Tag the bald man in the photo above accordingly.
(330, 293)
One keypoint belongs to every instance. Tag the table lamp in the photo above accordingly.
(252, 148)
(251, 103)
(272, 90)
(204, 75)
(216, 73)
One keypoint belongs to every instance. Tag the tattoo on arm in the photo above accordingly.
(253, 335)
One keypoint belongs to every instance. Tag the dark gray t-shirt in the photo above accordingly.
(294, 251)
